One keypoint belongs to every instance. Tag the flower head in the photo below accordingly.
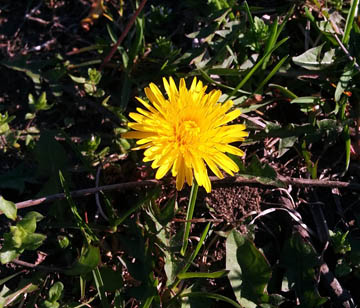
(187, 131)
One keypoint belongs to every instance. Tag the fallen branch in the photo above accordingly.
(216, 181)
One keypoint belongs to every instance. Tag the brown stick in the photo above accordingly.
(86, 192)
(37, 266)
(123, 35)
(216, 181)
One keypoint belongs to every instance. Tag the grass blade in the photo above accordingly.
(251, 20)
(255, 68)
(100, 288)
(212, 296)
(271, 74)
(350, 21)
(197, 249)
(271, 41)
(217, 274)
(284, 91)
(189, 216)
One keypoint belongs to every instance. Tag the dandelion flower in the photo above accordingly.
(186, 132)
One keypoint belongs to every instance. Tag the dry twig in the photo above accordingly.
(217, 182)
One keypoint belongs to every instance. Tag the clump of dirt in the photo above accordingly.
(233, 203)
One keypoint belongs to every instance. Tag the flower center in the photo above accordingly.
(187, 133)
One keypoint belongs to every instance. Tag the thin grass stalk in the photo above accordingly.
(189, 216)
(350, 21)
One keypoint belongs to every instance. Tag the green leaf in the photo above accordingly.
(299, 259)
(4, 122)
(189, 216)
(8, 208)
(55, 291)
(283, 91)
(271, 74)
(6, 279)
(94, 75)
(311, 59)
(63, 241)
(306, 100)
(33, 241)
(31, 69)
(88, 233)
(344, 81)
(51, 158)
(112, 279)
(50, 304)
(38, 104)
(286, 144)
(264, 174)
(195, 252)
(256, 67)
(100, 288)
(28, 223)
(78, 79)
(88, 260)
(189, 275)
(249, 271)
(350, 21)
(215, 296)
(165, 214)
(8, 256)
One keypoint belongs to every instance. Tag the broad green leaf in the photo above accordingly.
(286, 144)
(55, 291)
(8, 208)
(344, 81)
(166, 213)
(112, 279)
(38, 104)
(17, 177)
(22, 235)
(311, 59)
(8, 256)
(88, 260)
(28, 223)
(50, 304)
(249, 271)
(300, 259)
(16, 237)
(94, 75)
(63, 241)
(33, 241)
(263, 173)
(51, 158)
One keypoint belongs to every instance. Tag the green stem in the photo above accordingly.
(189, 216)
